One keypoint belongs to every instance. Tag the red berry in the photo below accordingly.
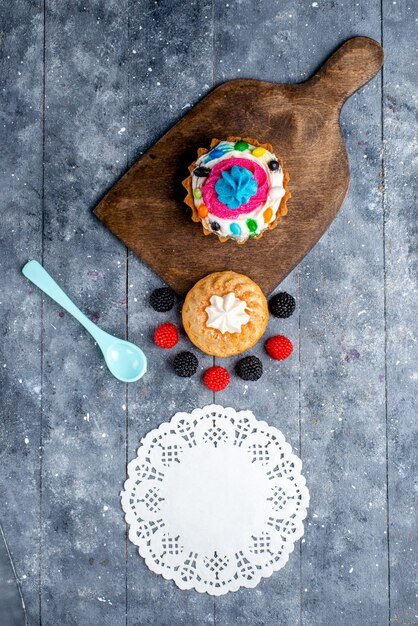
(166, 335)
(216, 378)
(279, 347)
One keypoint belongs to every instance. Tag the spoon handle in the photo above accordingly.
(40, 277)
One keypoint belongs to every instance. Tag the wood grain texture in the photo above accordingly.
(342, 402)
(83, 568)
(21, 69)
(401, 304)
(353, 363)
(275, 397)
(344, 572)
(328, 407)
(144, 209)
(186, 34)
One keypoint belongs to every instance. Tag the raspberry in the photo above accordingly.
(279, 347)
(249, 368)
(162, 299)
(216, 378)
(166, 335)
(185, 364)
(282, 304)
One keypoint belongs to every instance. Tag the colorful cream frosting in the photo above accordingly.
(227, 313)
(238, 188)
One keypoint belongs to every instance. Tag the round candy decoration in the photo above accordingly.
(202, 171)
(202, 211)
(237, 189)
(235, 229)
(274, 165)
(241, 146)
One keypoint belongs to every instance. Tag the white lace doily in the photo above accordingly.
(215, 500)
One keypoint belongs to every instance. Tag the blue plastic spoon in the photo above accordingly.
(126, 361)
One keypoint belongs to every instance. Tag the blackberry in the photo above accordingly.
(185, 364)
(282, 304)
(162, 299)
(249, 368)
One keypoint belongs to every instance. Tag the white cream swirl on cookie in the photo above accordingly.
(227, 313)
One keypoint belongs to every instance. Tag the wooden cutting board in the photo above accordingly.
(145, 207)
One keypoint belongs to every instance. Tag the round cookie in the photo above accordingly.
(225, 313)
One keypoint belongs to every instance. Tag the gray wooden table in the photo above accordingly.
(86, 87)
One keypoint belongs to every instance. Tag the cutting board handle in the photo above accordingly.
(348, 69)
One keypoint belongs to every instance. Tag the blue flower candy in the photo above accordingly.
(236, 186)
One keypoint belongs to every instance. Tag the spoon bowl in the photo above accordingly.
(126, 361)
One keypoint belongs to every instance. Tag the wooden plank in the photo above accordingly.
(176, 46)
(12, 606)
(275, 397)
(399, 125)
(82, 472)
(83, 456)
(344, 558)
(20, 239)
(324, 595)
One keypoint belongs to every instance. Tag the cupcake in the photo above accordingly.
(225, 313)
(237, 189)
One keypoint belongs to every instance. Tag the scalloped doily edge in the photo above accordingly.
(236, 585)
